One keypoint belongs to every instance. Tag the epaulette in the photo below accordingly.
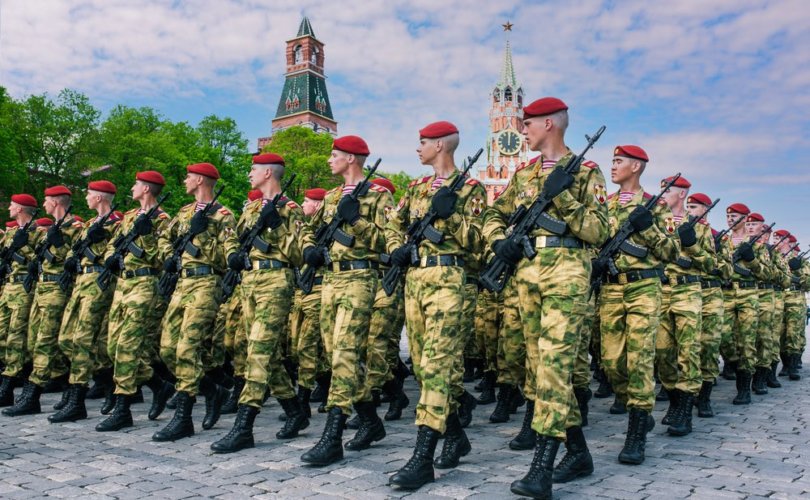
(715, 232)
(471, 181)
(424, 179)
(589, 164)
(379, 189)
(224, 211)
(77, 224)
(413, 183)
(191, 205)
(162, 215)
(613, 195)
(647, 195)
(292, 204)
(704, 222)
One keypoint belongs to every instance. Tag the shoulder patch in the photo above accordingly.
(589, 164)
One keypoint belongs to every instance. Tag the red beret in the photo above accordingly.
(755, 217)
(738, 208)
(205, 169)
(351, 144)
(792, 239)
(12, 224)
(437, 129)
(631, 151)
(103, 186)
(544, 106)
(44, 221)
(254, 194)
(24, 199)
(268, 159)
(681, 183)
(781, 233)
(699, 198)
(316, 194)
(384, 183)
(57, 191)
(151, 176)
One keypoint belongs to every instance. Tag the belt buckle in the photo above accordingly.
(622, 278)
(540, 241)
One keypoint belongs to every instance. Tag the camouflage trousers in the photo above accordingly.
(511, 358)
(306, 339)
(487, 316)
(767, 340)
(596, 333)
(466, 328)
(82, 323)
(795, 311)
(629, 316)
(131, 338)
(15, 308)
(711, 327)
(677, 342)
(347, 300)
(552, 289)
(234, 336)
(581, 378)
(186, 327)
(777, 335)
(728, 340)
(743, 310)
(375, 349)
(396, 322)
(43, 333)
(266, 302)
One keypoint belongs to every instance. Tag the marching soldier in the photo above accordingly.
(795, 311)
(781, 282)
(728, 339)
(765, 279)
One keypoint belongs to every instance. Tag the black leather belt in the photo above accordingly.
(351, 265)
(472, 280)
(318, 280)
(556, 242)
(91, 269)
(49, 278)
(137, 273)
(685, 279)
(441, 260)
(268, 264)
(710, 284)
(21, 277)
(778, 288)
(795, 288)
(764, 286)
(744, 284)
(198, 271)
(634, 275)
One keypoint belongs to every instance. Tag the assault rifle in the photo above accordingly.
(247, 240)
(620, 242)
(82, 249)
(524, 220)
(719, 236)
(683, 261)
(42, 252)
(423, 229)
(125, 244)
(736, 256)
(332, 231)
(771, 247)
(9, 253)
(168, 281)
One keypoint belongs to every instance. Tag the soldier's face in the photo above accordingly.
(14, 210)
(535, 131)
(310, 206)
(192, 182)
(753, 227)
(92, 200)
(427, 151)
(732, 218)
(339, 162)
(673, 197)
(49, 205)
(258, 176)
(138, 189)
(696, 209)
(621, 170)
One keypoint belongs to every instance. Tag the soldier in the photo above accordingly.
(795, 311)
(765, 278)
(193, 307)
(131, 341)
(434, 298)
(48, 303)
(781, 282)
(728, 340)
(630, 302)
(347, 298)
(15, 304)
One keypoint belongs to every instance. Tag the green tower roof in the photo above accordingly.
(305, 29)
(303, 92)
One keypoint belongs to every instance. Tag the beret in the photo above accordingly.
(437, 129)
(254, 194)
(268, 159)
(792, 239)
(57, 191)
(755, 217)
(544, 106)
(316, 194)
(384, 183)
(44, 221)
(103, 186)
(24, 199)
(631, 151)
(738, 208)
(151, 176)
(781, 233)
(681, 183)
(351, 144)
(699, 198)
(204, 169)
(12, 224)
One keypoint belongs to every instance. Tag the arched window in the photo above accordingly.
(507, 94)
(298, 55)
(313, 58)
(496, 95)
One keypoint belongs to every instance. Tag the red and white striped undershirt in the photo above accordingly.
(200, 205)
(547, 164)
(625, 197)
(348, 188)
(677, 219)
(437, 183)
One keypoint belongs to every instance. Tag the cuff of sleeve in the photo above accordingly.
(564, 199)
(359, 226)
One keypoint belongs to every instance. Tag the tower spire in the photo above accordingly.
(508, 71)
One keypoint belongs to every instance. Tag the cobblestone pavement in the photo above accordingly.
(752, 451)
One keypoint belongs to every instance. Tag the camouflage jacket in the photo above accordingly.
(723, 269)
(97, 250)
(781, 273)
(215, 244)
(700, 258)
(19, 264)
(70, 232)
(286, 242)
(151, 256)
(746, 271)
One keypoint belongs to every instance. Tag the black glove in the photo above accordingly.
(795, 264)
(172, 265)
(236, 261)
(558, 181)
(508, 250)
(443, 202)
(349, 209)
(640, 218)
(718, 244)
(71, 264)
(54, 237)
(33, 267)
(313, 257)
(199, 223)
(20, 239)
(270, 217)
(746, 252)
(114, 263)
(143, 225)
(687, 235)
(401, 256)
(598, 268)
(96, 234)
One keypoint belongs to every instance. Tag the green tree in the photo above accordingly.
(305, 153)
(223, 144)
(15, 175)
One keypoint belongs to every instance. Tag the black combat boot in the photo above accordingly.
(785, 357)
(215, 395)
(469, 370)
(488, 389)
(296, 419)
(729, 369)
(681, 424)
(663, 394)
(501, 413)
(466, 405)
(583, 395)
(354, 422)
(517, 401)
(743, 396)
(704, 403)
(172, 402)
(232, 404)
(537, 482)
(58, 384)
(7, 391)
(674, 394)
(303, 398)
(120, 417)
(109, 400)
(241, 434)
(28, 402)
(329, 448)
(456, 444)
(618, 407)
(181, 425)
(161, 392)
(771, 380)
(371, 427)
(605, 390)
(636, 439)
(398, 399)
(102, 379)
(419, 469)
(74, 409)
(64, 399)
(577, 461)
(758, 382)
(321, 391)
(525, 438)
(793, 369)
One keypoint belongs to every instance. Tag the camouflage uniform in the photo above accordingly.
(486, 329)
(765, 326)
(512, 347)
(712, 314)
(233, 334)
(15, 307)
(377, 345)
(795, 311)
(770, 292)
(305, 335)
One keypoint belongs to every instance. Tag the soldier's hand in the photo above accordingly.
(313, 257)
(558, 181)
(349, 209)
(795, 264)
(54, 237)
(640, 218)
(114, 263)
(96, 234)
(443, 202)
(199, 223)
(236, 261)
(401, 256)
(172, 265)
(598, 268)
(143, 225)
(746, 252)
(718, 244)
(270, 216)
(20, 239)
(71, 264)
(508, 250)
(687, 235)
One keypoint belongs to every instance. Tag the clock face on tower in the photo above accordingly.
(509, 142)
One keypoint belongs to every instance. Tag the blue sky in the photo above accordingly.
(715, 89)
